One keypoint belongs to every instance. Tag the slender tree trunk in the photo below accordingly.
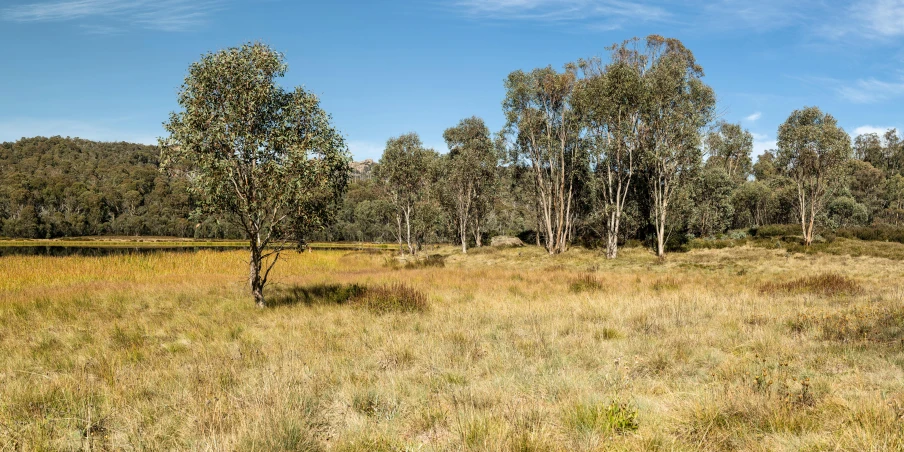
(399, 232)
(802, 202)
(254, 276)
(408, 226)
(612, 236)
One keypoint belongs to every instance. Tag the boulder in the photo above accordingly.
(501, 240)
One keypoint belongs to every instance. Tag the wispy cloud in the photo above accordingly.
(165, 15)
(871, 90)
(877, 18)
(754, 117)
(596, 14)
(860, 91)
(761, 15)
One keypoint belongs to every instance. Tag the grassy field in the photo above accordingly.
(742, 348)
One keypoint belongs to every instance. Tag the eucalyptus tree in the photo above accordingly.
(610, 98)
(812, 150)
(267, 158)
(678, 106)
(405, 173)
(469, 176)
(545, 133)
(730, 146)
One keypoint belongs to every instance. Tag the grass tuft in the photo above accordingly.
(827, 285)
(587, 282)
(614, 417)
(395, 297)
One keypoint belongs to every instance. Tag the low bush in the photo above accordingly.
(775, 230)
(433, 260)
(879, 232)
(702, 244)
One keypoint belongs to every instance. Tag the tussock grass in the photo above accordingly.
(827, 285)
(391, 298)
(587, 282)
(612, 417)
(167, 352)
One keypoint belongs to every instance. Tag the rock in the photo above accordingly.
(501, 240)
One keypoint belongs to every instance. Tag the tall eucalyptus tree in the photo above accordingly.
(267, 158)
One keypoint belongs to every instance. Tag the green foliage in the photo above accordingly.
(729, 147)
(406, 173)
(775, 230)
(545, 130)
(64, 187)
(880, 232)
(468, 184)
(812, 151)
(712, 210)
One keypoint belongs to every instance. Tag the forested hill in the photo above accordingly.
(53, 187)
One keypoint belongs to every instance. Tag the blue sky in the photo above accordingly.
(110, 69)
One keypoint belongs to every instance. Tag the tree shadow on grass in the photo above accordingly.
(317, 294)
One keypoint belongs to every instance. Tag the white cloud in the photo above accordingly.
(760, 147)
(761, 143)
(863, 130)
(165, 15)
(754, 117)
(598, 14)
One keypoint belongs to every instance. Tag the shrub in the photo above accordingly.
(775, 230)
(737, 235)
(392, 298)
(879, 232)
(829, 285)
(433, 260)
(702, 244)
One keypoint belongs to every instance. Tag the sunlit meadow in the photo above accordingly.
(741, 348)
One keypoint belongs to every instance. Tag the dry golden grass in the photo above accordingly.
(517, 351)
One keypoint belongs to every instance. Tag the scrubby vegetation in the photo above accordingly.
(746, 348)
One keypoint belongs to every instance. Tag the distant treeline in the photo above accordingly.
(64, 187)
(866, 200)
